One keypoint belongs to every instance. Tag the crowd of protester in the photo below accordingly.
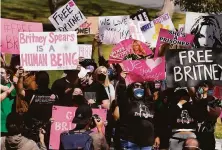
(142, 116)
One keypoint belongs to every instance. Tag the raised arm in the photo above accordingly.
(6, 93)
(19, 87)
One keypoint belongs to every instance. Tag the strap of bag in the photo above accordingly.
(32, 99)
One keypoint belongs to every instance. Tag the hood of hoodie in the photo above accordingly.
(15, 141)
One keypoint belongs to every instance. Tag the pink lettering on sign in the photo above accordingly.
(63, 117)
(63, 59)
(33, 60)
(144, 70)
(10, 33)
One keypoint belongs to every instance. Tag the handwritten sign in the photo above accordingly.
(144, 70)
(9, 33)
(173, 38)
(190, 67)
(114, 23)
(85, 51)
(127, 47)
(141, 15)
(89, 27)
(63, 117)
(152, 29)
(48, 50)
(67, 18)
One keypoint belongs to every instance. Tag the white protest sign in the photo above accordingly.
(85, 51)
(111, 37)
(151, 30)
(48, 50)
(116, 24)
(67, 18)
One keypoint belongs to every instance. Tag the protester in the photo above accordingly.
(78, 98)
(81, 136)
(182, 119)
(9, 94)
(15, 139)
(64, 87)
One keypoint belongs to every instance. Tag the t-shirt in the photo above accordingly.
(59, 87)
(99, 92)
(136, 120)
(6, 108)
(40, 103)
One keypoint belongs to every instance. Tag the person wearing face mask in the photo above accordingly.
(137, 118)
(209, 109)
(78, 98)
(94, 91)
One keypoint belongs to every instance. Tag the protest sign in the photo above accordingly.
(135, 31)
(151, 30)
(85, 51)
(206, 28)
(128, 47)
(67, 18)
(48, 50)
(172, 38)
(141, 15)
(218, 92)
(63, 117)
(181, 28)
(114, 23)
(144, 70)
(9, 33)
(190, 67)
(89, 27)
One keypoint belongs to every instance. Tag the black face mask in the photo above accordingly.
(78, 99)
(101, 77)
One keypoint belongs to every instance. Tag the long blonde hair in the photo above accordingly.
(98, 71)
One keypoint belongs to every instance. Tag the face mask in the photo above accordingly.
(138, 93)
(78, 99)
(101, 77)
(200, 91)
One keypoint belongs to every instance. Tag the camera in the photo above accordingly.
(93, 123)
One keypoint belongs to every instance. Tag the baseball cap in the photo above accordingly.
(83, 114)
(83, 72)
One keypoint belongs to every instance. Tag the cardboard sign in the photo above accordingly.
(188, 68)
(206, 28)
(63, 117)
(114, 23)
(9, 33)
(218, 92)
(48, 50)
(89, 27)
(141, 15)
(173, 38)
(67, 18)
(135, 31)
(127, 47)
(144, 70)
(85, 51)
(152, 29)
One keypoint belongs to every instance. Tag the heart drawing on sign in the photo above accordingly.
(153, 63)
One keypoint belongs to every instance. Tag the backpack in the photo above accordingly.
(76, 140)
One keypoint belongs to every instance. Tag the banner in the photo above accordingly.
(127, 48)
(114, 23)
(218, 92)
(144, 70)
(152, 29)
(85, 51)
(190, 67)
(48, 50)
(135, 31)
(63, 117)
(9, 33)
(207, 29)
(67, 18)
(89, 27)
(172, 38)
(141, 15)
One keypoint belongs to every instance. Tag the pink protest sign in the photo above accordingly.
(128, 47)
(144, 70)
(63, 117)
(172, 37)
(218, 92)
(10, 33)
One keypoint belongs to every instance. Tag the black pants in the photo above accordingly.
(206, 140)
